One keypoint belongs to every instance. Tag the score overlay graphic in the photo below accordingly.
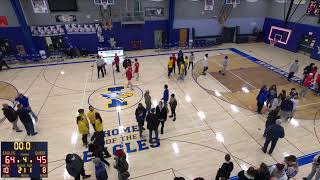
(24, 159)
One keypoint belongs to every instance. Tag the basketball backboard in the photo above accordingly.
(281, 35)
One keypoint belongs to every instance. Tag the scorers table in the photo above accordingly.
(108, 54)
(24, 159)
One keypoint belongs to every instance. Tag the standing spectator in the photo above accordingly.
(98, 150)
(140, 117)
(205, 64)
(182, 69)
(26, 120)
(83, 117)
(12, 116)
(165, 96)
(116, 61)
(191, 60)
(278, 171)
(98, 139)
(293, 69)
(306, 85)
(173, 105)
(226, 168)
(100, 64)
(147, 100)
(24, 101)
(180, 60)
(136, 68)
(224, 65)
(318, 85)
(92, 116)
(247, 174)
(126, 63)
(306, 71)
(186, 64)
(75, 166)
(286, 109)
(98, 123)
(276, 103)
(261, 98)
(129, 77)
(315, 169)
(83, 130)
(272, 95)
(273, 133)
(271, 119)
(170, 66)
(314, 71)
(263, 172)
(283, 95)
(174, 59)
(3, 62)
(100, 169)
(294, 106)
(293, 93)
(291, 166)
(153, 124)
(121, 165)
(162, 113)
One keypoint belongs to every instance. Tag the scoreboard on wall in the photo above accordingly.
(24, 159)
(314, 8)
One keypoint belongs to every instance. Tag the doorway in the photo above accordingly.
(55, 43)
(183, 35)
(307, 43)
(158, 41)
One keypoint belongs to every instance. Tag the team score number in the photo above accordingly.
(9, 159)
(5, 170)
(41, 159)
(44, 170)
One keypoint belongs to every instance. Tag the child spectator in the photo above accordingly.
(226, 168)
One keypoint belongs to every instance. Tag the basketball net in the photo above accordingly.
(273, 42)
(234, 5)
(105, 5)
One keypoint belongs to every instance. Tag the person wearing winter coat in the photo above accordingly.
(278, 171)
(315, 169)
(226, 168)
(75, 166)
(147, 100)
(286, 109)
(263, 172)
(273, 133)
(100, 169)
(140, 117)
(161, 112)
(291, 166)
(121, 165)
(12, 116)
(153, 124)
(247, 174)
(293, 69)
(173, 105)
(271, 119)
(261, 98)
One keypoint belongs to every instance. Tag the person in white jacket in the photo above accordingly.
(100, 66)
(315, 169)
(205, 64)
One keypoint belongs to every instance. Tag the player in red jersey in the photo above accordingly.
(129, 77)
(116, 62)
(136, 68)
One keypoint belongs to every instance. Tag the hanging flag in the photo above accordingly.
(208, 5)
(3, 21)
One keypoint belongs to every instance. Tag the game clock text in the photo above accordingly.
(24, 159)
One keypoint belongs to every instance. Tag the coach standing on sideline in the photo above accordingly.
(100, 65)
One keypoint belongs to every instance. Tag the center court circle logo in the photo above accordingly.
(108, 98)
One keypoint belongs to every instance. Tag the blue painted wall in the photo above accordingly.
(14, 34)
(298, 30)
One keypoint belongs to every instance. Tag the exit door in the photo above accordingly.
(158, 38)
(183, 35)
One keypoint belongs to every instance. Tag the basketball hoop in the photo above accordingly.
(273, 42)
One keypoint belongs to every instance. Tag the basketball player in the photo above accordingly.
(136, 68)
